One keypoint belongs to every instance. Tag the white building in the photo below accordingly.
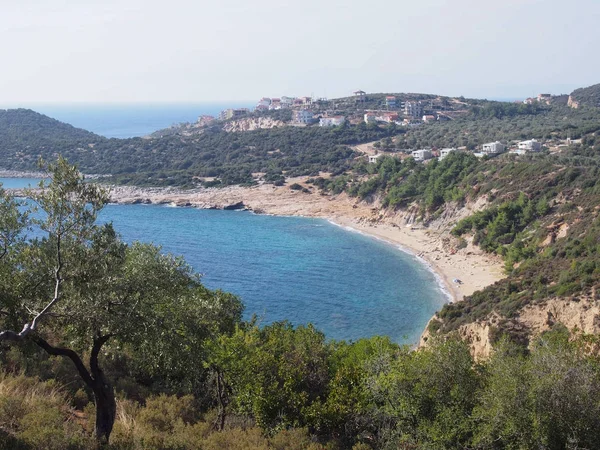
(302, 116)
(421, 155)
(287, 102)
(370, 118)
(530, 146)
(263, 103)
(373, 158)
(493, 148)
(230, 113)
(331, 121)
(445, 152)
(413, 109)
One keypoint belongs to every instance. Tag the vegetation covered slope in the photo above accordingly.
(173, 160)
(589, 96)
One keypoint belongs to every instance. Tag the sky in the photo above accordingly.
(150, 51)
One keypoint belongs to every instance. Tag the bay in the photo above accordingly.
(299, 269)
(292, 268)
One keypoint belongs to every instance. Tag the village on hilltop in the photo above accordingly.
(402, 110)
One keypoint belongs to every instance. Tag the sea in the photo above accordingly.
(127, 120)
(304, 270)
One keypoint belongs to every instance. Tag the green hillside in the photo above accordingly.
(589, 96)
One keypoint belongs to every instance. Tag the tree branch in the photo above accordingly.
(58, 351)
(9, 335)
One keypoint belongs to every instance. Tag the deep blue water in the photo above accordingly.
(123, 121)
(304, 270)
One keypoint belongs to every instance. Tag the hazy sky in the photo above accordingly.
(220, 50)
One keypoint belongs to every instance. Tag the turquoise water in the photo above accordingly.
(124, 121)
(304, 270)
(17, 183)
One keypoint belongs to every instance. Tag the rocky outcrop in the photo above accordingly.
(234, 206)
(572, 102)
(250, 124)
(578, 314)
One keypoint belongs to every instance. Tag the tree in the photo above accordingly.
(79, 290)
(276, 374)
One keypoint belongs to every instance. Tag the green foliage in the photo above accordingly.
(401, 183)
(276, 373)
(589, 96)
(498, 226)
(179, 160)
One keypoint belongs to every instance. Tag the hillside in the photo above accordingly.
(507, 367)
(589, 96)
(27, 127)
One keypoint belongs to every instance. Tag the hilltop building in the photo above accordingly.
(370, 118)
(445, 152)
(263, 104)
(361, 96)
(544, 97)
(493, 148)
(287, 102)
(373, 158)
(390, 101)
(388, 117)
(233, 113)
(413, 109)
(422, 155)
(302, 116)
(530, 146)
(275, 104)
(333, 121)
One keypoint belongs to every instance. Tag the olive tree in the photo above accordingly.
(75, 289)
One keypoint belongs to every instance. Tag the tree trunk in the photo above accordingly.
(104, 394)
(106, 410)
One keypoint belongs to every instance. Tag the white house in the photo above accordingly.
(421, 155)
(370, 118)
(287, 102)
(333, 121)
(493, 148)
(530, 146)
(445, 152)
(413, 109)
(373, 158)
(263, 103)
(302, 116)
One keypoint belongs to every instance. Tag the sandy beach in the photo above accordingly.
(434, 244)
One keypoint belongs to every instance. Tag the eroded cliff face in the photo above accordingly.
(251, 124)
(572, 102)
(578, 314)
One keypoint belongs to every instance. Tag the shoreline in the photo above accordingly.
(443, 283)
(433, 246)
